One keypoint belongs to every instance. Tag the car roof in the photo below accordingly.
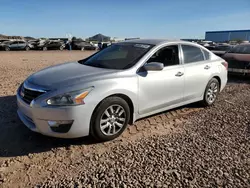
(151, 41)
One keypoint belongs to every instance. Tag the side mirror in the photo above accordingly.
(154, 66)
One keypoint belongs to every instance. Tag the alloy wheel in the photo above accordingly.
(112, 120)
(212, 92)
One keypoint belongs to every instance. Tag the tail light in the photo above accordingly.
(225, 64)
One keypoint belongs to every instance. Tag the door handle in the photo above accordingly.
(207, 67)
(179, 74)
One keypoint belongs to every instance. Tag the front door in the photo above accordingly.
(160, 89)
(14, 45)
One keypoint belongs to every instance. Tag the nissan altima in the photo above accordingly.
(102, 94)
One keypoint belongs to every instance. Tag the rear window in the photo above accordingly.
(192, 54)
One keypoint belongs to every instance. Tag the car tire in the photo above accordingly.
(211, 92)
(61, 48)
(27, 48)
(7, 48)
(107, 124)
(45, 48)
(82, 48)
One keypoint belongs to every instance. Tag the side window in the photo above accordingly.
(247, 51)
(207, 55)
(192, 54)
(167, 55)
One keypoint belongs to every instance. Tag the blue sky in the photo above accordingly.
(129, 18)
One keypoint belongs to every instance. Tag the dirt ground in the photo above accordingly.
(186, 147)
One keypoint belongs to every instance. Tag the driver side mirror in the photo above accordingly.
(153, 66)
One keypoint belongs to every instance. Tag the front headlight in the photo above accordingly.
(70, 98)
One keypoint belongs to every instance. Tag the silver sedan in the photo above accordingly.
(102, 94)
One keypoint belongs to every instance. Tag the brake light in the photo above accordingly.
(225, 64)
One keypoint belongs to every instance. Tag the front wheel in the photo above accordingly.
(82, 48)
(211, 92)
(110, 119)
(45, 48)
(61, 48)
(27, 48)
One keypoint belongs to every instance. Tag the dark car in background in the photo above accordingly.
(82, 45)
(49, 45)
(220, 50)
(15, 45)
(238, 59)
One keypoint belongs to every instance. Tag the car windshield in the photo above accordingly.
(241, 49)
(223, 48)
(118, 56)
(6, 42)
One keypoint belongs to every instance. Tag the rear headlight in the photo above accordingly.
(225, 64)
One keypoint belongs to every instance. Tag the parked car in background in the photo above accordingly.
(49, 45)
(220, 50)
(212, 47)
(238, 59)
(3, 40)
(15, 45)
(124, 82)
(82, 45)
(33, 42)
(207, 43)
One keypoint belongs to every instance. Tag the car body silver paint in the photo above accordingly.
(150, 92)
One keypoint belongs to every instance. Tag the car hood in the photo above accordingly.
(68, 74)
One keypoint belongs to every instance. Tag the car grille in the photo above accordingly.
(239, 64)
(28, 94)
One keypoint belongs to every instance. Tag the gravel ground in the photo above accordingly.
(185, 147)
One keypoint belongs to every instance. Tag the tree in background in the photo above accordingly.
(239, 41)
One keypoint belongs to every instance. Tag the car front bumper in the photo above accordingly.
(37, 118)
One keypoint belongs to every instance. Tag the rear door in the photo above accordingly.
(57, 45)
(51, 45)
(197, 70)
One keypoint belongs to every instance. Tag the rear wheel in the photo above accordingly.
(82, 48)
(110, 119)
(7, 48)
(45, 48)
(211, 92)
(27, 48)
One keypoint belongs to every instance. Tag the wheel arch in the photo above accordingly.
(219, 80)
(124, 97)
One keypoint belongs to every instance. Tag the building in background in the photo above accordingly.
(225, 36)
